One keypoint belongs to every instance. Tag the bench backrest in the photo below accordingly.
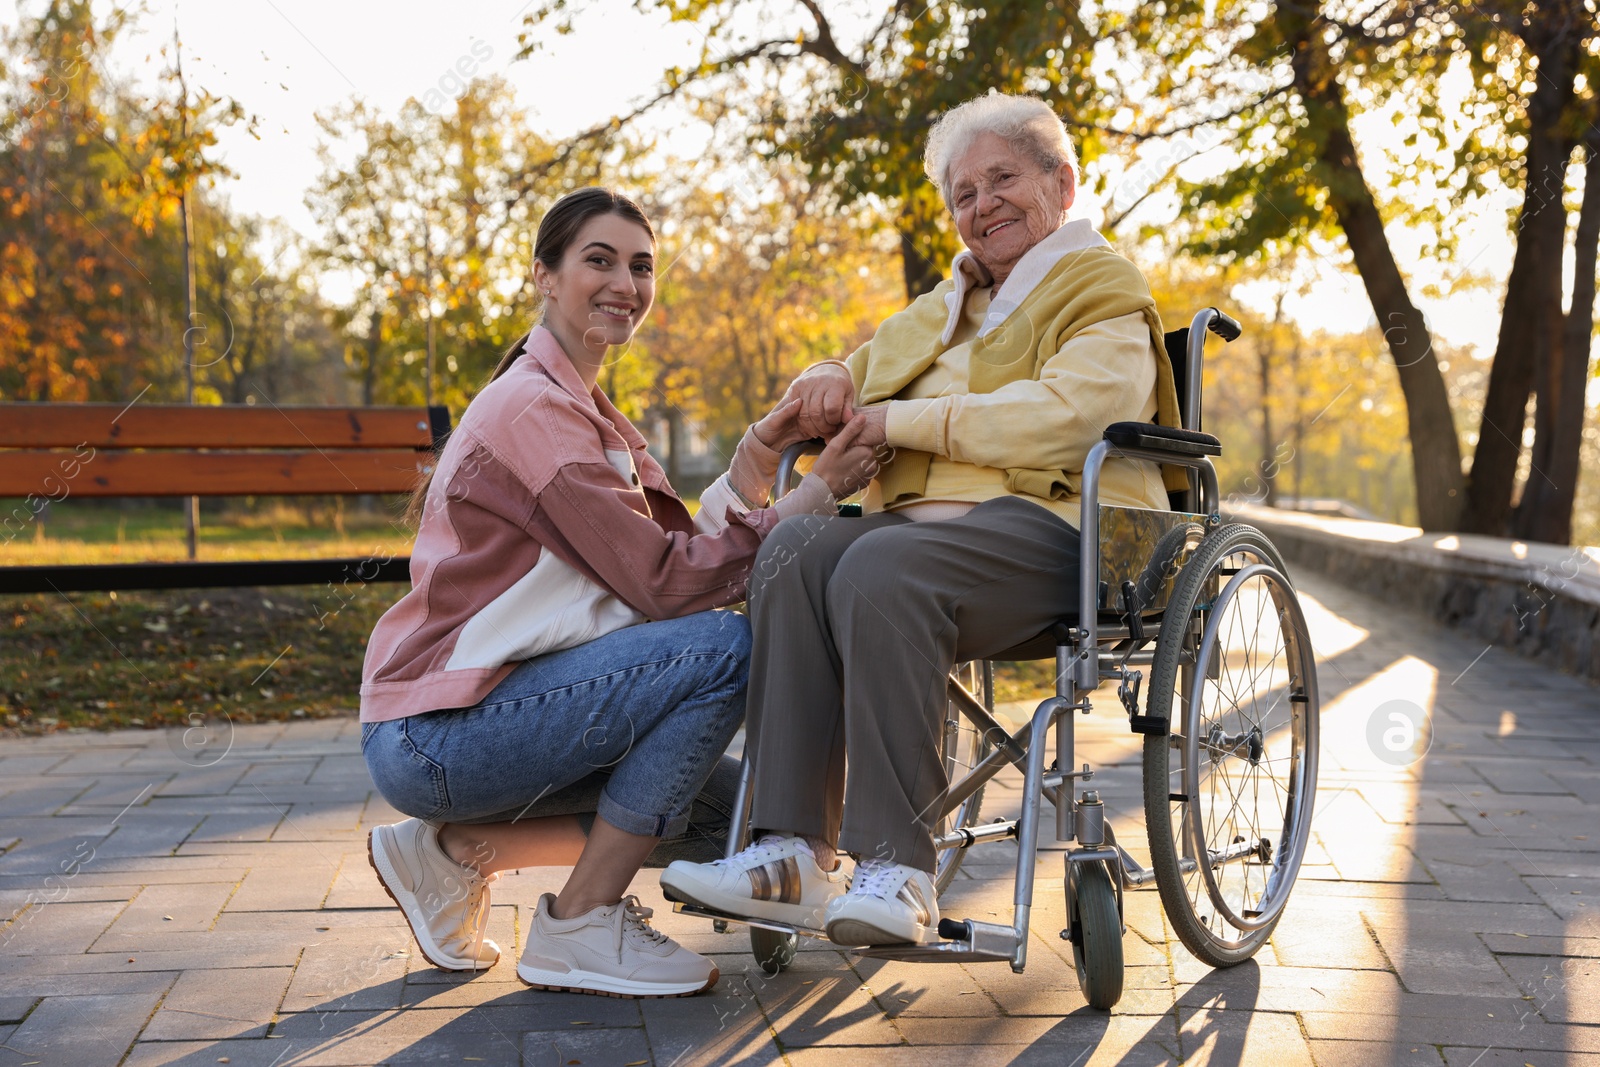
(107, 450)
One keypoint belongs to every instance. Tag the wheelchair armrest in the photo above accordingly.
(1148, 435)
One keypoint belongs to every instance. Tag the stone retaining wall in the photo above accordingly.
(1540, 600)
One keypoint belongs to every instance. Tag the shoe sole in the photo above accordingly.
(853, 932)
(744, 907)
(422, 945)
(553, 982)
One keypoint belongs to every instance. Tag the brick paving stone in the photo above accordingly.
(84, 1030)
(58, 928)
(555, 1048)
(244, 1053)
(726, 1026)
(16, 1009)
(1501, 1057)
(356, 885)
(1365, 1053)
(162, 910)
(352, 971)
(1206, 1036)
(257, 825)
(220, 1004)
(273, 889)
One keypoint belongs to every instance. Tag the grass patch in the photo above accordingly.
(106, 660)
(1024, 680)
(151, 659)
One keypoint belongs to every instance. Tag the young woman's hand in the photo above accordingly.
(849, 462)
(781, 426)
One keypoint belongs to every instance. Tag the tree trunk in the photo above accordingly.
(674, 443)
(369, 373)
(1545, 513)
(1530, 322)
(1435, 449)
(1266, 351)
(921, 273)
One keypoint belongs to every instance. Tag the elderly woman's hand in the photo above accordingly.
(876, 431)
(826, 395)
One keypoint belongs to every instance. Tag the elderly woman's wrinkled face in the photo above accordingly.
(1004, 203)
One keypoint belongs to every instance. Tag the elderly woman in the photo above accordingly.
(990, 390)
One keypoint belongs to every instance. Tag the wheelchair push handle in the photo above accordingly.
(786, 462)
(1224, 325)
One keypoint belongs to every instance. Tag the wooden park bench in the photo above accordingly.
(54, 452)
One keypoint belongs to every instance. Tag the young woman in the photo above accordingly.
(557, 687)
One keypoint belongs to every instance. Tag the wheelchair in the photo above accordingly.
(1229, 721)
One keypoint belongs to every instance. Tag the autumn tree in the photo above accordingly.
(1298, 177)
(849, 96)
(433, 216)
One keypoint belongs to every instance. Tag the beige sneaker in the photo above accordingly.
(612, 951)
(446, 904)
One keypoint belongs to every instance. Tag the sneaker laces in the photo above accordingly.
(636, 920)
(760, 852)
(875, 878)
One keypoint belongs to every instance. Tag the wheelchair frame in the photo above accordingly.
(1086, 654)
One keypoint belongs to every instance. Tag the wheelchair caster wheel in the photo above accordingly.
(1097, 946)
(773, 950)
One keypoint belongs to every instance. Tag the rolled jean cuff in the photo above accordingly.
(631, 822)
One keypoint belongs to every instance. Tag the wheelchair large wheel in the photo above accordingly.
(964, 747)
(1096, 934)
(1229, 792)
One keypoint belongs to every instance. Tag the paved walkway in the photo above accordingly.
(213, 904)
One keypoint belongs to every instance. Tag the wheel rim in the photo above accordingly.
(964, 748)
(1250, 755)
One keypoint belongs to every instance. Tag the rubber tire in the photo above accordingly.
(1098, 951)
(1221, 543)
(774, 951)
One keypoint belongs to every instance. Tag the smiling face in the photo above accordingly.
(604, 287)
(1004, 204)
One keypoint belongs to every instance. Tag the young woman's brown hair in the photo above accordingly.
(556, 231)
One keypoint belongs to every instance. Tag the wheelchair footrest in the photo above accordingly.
(966, 941)
(1151, 725)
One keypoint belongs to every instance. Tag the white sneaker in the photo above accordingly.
(612, 951)
(777, 878)
(446, 904)
(888, 904)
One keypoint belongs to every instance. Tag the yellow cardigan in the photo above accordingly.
(1084, 287)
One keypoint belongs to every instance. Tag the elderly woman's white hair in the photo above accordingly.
(1026, 122)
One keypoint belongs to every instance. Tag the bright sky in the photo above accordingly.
(285, 60)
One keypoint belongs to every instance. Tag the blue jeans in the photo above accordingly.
(629, 726)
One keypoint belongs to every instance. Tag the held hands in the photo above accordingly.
(850, 461)
(826, 397)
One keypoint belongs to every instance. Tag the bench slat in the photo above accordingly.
(60, 475)
(70, 578)
(142, 425)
